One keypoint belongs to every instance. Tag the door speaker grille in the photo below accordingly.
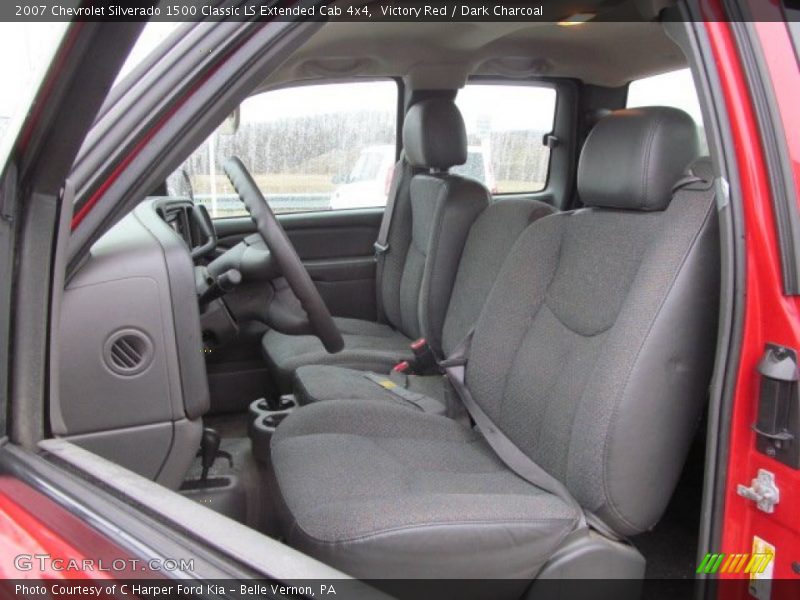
(128, 352)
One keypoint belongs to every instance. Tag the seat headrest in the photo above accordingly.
(434, 136)
(633, 157)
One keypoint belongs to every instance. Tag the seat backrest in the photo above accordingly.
(489, 241)
(594, 350)
(430, 223)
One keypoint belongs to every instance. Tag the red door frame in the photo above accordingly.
(770, 316)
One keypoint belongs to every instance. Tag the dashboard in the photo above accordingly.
(191, 222)
(132, 384)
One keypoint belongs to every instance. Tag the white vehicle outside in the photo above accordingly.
(369, 181)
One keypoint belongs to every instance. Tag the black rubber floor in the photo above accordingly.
(671, 547)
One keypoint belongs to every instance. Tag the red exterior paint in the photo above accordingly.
(781, 60)
(769, 315)
(32, 523)
(22, 533)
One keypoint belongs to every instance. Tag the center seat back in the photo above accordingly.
(490, 240)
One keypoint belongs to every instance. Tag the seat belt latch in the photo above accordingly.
(424, 362)
(380, 249)
(402, 367)
(420, 346)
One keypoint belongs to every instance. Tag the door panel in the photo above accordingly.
(347, 285)
(336, 248)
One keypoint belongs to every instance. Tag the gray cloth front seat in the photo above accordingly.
(432, 216)
(593, 354)
(490, 239)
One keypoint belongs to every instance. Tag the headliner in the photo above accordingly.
(443, 55)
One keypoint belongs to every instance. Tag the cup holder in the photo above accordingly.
(287, 402)
(274, 419)
(261, 407)
(264, 421)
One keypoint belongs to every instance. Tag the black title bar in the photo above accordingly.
(366, 11)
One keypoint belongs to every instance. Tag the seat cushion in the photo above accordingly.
(367, 346)
(380, 491)
(316, 383)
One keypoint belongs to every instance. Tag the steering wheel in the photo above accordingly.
(317, 319)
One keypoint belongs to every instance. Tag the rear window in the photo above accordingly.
(675, 89)
(506, 125)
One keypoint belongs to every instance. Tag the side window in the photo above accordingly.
(675, 89)
(506, 125)
(315, 147)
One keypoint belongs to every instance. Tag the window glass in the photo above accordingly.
(27, 49)
(315, 147)
(506, 125)
(676, 89)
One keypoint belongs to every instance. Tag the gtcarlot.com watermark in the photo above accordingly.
(46, 562)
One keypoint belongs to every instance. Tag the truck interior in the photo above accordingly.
(288, 364)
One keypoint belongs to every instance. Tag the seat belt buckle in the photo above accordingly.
(424, 362)
(420, 347)
(399, 373)
(402, 367)
(380, 249)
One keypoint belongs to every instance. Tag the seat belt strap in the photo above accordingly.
(514, 458)
(420, 401)
(382, 243)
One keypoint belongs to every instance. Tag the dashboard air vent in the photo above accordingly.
(128, 352)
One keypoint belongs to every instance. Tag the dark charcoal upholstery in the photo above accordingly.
(368, 345)
(432, 216)
(315, 383)
(414, 495)
(593, 353)
(434, 136)
(488, 243)
(601, 373)
(632, 160)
